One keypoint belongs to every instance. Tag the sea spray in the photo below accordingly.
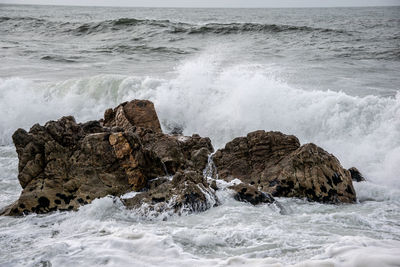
(224, 102)
(329, 76)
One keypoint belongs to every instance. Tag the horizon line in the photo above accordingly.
(220, 7)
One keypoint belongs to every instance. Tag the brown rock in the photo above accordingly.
(275, 163)
(311, 172)
(177, 153)
(244, 156)
(139, 113)
(64, 165)
(61, 168)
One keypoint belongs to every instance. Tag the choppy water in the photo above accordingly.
(329, 76)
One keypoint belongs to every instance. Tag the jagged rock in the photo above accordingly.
(187, 192)
(356, 175)
(248, 193)
(61, 167)
(275, 163)
(139, 113)
(63, 164)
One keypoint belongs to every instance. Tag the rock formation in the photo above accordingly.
(276, 163)
(65, 164)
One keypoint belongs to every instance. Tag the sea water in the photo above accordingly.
(329, 76)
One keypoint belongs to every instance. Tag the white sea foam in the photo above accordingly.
(233, 234)
(212, 99)
(222, 102)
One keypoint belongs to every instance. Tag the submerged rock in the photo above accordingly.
(275, 163)
(356, 175)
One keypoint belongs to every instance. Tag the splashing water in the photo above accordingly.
(221, 102)
(323, 75)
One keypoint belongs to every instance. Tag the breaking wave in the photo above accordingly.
(223, 102)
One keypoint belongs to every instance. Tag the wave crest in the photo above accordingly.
(121, 24)
(211, 99)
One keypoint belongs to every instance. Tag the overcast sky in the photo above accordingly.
(211, 3)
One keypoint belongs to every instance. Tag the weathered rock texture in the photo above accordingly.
(139, 113)
(276, 163)
(187, 192)
(63, 164)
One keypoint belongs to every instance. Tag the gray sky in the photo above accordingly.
(211, 3)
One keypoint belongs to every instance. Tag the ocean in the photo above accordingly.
(330, 76)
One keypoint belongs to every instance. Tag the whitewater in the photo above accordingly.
(322, 85)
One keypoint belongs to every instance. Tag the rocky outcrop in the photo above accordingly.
(59, 163)
(276, 163)
(63, 164)
(250, 194)
(356, 175)
(188, 191)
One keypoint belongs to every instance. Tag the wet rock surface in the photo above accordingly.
(277, 164)
(65, 164)
(59, 164)
(250, 194)
(356, 175)
(188, 191)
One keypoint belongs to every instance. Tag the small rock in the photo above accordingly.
(250, 194)
(356, 175)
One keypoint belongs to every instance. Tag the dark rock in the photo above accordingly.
(275, 163)
(250, 194)
(356, 175)
(92, 127)
(176, 130)
(187, 192)
(213, 185)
